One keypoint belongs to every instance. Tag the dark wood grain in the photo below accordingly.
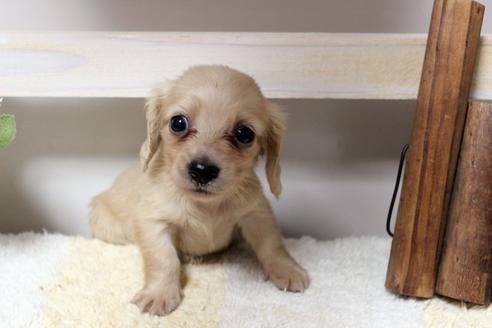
(466, 263)
(447, 72)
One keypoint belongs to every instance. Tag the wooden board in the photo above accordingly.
(286, 65)
(436, 136)
(466, 264)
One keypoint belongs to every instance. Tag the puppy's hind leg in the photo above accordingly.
(105, 225)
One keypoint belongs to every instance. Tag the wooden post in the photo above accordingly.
(441, 104)
(466, 264)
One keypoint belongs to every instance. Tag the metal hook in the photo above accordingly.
(395, 191)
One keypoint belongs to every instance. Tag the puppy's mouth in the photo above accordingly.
(201, 191)
(211, 190)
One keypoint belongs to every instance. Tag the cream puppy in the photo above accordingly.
(196, 184)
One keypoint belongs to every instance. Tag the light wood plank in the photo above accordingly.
(286, 65)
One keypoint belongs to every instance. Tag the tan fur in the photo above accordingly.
(155, 206)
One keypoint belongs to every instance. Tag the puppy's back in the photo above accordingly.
(111, 210)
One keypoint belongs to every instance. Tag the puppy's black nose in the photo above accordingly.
(203, 172)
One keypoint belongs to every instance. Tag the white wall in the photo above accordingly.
(340, 157)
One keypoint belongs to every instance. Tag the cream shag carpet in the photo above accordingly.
(49, 280)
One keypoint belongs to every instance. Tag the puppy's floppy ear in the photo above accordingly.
(273, 146)
(154, 107)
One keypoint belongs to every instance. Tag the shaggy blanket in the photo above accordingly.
(49, 280)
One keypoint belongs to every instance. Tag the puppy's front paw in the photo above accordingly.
(286, 274)
(158, 301)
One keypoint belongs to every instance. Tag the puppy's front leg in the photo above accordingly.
(161, 293)
(261, 232)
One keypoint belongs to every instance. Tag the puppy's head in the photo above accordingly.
(207, 128)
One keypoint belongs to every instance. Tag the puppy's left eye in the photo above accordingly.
(244, 135)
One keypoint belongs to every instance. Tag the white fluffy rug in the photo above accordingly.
(50, 280)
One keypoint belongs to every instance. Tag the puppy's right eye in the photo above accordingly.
(178, 125)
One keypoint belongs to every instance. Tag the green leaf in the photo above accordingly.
(7, 129)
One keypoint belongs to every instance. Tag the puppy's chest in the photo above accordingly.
(206, 234)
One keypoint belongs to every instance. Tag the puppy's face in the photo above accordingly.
(207, 129)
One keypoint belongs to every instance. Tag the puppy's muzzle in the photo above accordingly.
(203, 172)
